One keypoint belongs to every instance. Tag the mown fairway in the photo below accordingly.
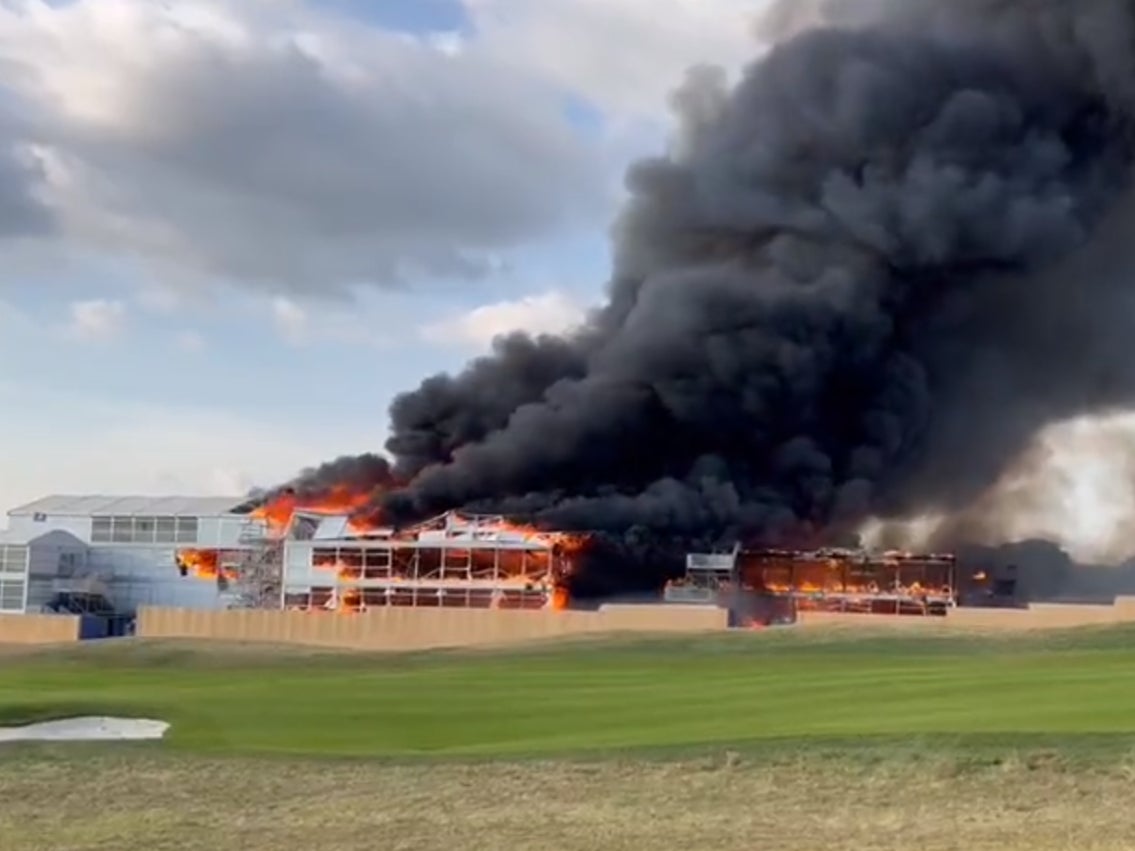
(777, 741)
(736, 690)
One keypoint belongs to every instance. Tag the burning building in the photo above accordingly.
(768, 585)
(184, 551)
(832, 298)
(300, 551)
(454, 560)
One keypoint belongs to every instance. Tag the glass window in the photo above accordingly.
(185, 530)
(164, 530)
(13, 559)
(12, 596)
(100, 530)
(143, 530)
(122, 530)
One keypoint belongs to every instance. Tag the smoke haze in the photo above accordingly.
(859, 283)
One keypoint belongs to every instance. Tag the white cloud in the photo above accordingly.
(304, 150)
(160, 300)
(291, 320)
(310, 152)
(625, 56)
(190, 341)
(96, 321)
(302, 323)
(549, 313)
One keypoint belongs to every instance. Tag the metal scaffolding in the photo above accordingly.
(454, 560)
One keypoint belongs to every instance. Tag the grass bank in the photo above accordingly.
(64, 800)
(778, 693)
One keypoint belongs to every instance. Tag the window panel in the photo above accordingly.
(143, 530)
(11, 596)
(165, 530)
(100, 530)
(13, 559)
(185, 531)
(122, 530)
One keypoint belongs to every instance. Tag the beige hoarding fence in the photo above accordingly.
(1032, 617)
(408, 628)
(399, 628)
(38, 629)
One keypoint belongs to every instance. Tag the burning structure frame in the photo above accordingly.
(454, 560)
(829, 580)
(323, 561)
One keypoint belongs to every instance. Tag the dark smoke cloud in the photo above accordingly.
(862, 279)
(1045, 572)
(356, 474)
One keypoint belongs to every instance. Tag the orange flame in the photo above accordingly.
(547, 564)
(341, 499)
(203, 564)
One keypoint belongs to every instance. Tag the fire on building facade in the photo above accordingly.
(772, 585)
(455, 560)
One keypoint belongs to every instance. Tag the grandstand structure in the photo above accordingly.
(455, 560)
(829, 580)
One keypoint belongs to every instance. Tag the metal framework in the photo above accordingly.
(853, 580)
(833, 580)
(250, 575)
(455, 560)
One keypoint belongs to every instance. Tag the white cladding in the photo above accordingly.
(130, 543)
(31, 566)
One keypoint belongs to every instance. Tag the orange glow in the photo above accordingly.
(350, 601)
(420, 567)
(204, 564)
(278, 512)
(560, 598)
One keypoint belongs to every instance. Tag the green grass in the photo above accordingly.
(788, 741)
(775, 691)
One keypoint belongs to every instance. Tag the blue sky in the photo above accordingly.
(224, 260)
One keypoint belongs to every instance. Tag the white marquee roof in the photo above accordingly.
(15, 538)
(129, 506)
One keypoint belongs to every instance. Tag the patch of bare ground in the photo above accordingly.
(57, 799)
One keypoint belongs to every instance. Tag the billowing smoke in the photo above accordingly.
(860, 281)
(361, 474)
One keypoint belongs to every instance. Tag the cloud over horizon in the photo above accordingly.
(270, 144)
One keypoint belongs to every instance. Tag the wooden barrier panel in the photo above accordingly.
(662, 618)
(1036, 616)
(408, 628)
(38, 629)
(398, 628)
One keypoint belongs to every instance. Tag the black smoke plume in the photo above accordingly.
(355, 474)
(859, 282)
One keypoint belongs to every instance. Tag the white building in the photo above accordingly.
(128, 544)
(32, 567)
(138, 551)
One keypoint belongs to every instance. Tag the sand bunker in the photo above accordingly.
(86, 730)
